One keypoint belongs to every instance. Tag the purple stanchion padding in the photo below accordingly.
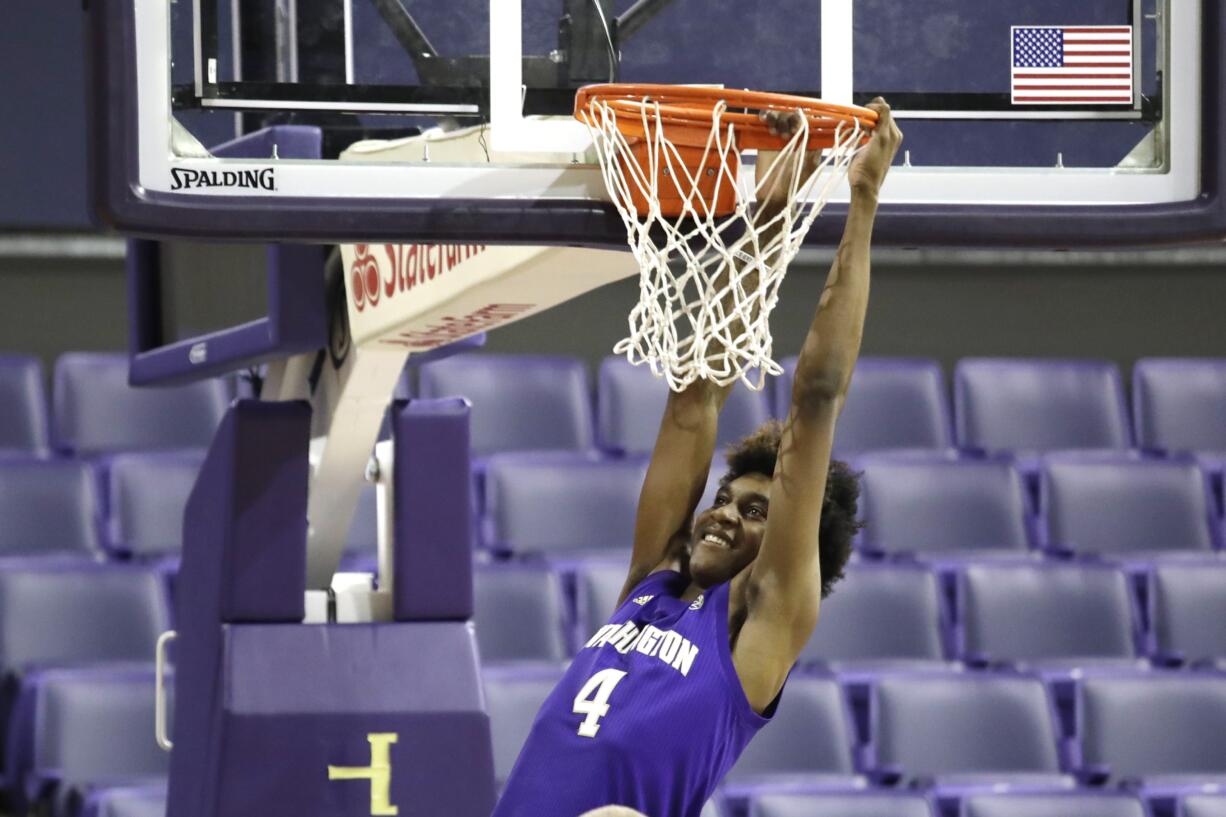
(276, 717)
(936, 507)
(520, 402)
(893, 403)
(1161, 729)
(49, 508)
(881, 617)
(1178, 403)
(630, 401)
(1117, 505)
(1047, 616)
(433, 511)
(297, 319)
(283, 141)
(23, 405)
(97, 411)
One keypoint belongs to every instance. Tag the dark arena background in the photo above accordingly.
(219, 600)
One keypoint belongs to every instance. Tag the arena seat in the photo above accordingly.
(89, 728)
(519, 402)
(1047, 616)
(1187, 604)
(97, 412)
(842, 804)
(809, 740)
(126, 801)
(148, 493)
(630, 402)
(598, 583)
(1029, 405)
(1178, 403)
(892, 403)
(950, 729)
(1051, 804)
(23, 407)
(49, 508)
(1156, 728)
(1119, 506)
(936, 507)
(1203, 805)
(880, 617)
(513, 697)
(542, 503)
(519, 613)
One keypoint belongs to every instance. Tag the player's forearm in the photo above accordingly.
(833, 342)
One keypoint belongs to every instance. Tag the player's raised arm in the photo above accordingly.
(675, 477)
(784, 584)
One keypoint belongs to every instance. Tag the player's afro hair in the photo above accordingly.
(757, 454)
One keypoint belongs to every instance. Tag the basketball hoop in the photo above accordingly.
(671, 158)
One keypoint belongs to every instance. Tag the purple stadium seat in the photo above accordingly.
(880, 617)
(939, 507)
(520, 402)
(89, 728)
(48, 508)
(1187, 604)
(842, 804)
(23, 406)
(127, 801)
(1203, 805)
(1116, 505)
(1160, 728)
(519, 613)
(892, 403)
(1054, 804)
(1046, 616)
(1035, 405)
(809, 741)
(513, 696)
(630, 401)
(97, 412)
(542, 503)
(959, 729)
(148, 493)
(598, 583)
(1179, 403)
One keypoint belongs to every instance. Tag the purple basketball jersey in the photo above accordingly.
(650, 714)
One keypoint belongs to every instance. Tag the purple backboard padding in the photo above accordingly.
(49, 508)
(1039, 404)
(1115, 503)
(121, 204)
(892, 403)
(288, 141)
(244, 559)
(1140, 725)
(1179, 404)
(97, 411)
(432, 511)
(297, 319)
(23, 406)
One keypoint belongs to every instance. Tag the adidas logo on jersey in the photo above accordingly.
(697, 605)
(641, 600)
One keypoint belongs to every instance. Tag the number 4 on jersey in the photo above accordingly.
(593, 699)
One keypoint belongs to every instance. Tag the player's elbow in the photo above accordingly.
(821, 389)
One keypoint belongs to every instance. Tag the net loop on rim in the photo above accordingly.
(712, 258)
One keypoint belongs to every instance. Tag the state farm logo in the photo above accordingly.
(402, 267)
(258, 179)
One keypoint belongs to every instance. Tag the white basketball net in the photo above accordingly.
(709, 282)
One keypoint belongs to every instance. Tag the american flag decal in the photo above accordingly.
(1072, 65)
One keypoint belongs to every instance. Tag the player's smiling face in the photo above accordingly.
(726, 537)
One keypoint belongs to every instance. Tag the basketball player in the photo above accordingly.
(661, 701)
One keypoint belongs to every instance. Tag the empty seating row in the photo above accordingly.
(93, 410)
(954, 732)
(1017, 405)
(1052, 617)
